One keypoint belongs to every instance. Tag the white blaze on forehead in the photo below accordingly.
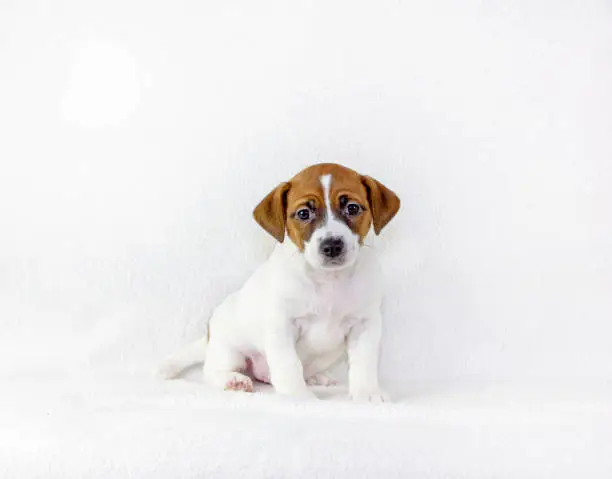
(332, 225)
(326, 182)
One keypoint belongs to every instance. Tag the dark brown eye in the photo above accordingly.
(353, 209)
(303, 214)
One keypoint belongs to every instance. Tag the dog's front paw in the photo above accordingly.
(375, 396)
(320, 379)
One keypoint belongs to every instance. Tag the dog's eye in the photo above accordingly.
(353, 209)
(303, 214)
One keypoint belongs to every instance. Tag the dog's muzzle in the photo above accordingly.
(332, 249)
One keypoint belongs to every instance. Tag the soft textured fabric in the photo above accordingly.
(136, 138)
(136, 427)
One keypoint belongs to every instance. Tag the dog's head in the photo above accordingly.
(327, 211)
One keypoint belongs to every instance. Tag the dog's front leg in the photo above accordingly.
(363, 343)
(286, 369)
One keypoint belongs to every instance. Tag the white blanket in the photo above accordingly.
(137, 427)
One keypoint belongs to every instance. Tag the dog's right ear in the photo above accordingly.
(271, 212)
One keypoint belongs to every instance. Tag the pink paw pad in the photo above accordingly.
(239, 384)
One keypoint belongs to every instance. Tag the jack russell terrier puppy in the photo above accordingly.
(316, 298)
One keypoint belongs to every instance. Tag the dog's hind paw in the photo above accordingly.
(239, 382)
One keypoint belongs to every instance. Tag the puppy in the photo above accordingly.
(316, 298)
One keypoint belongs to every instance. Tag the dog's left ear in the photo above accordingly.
(384, 204)
(271, 212)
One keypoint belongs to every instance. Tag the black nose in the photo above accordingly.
(332, 247)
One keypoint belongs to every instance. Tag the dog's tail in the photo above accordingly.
(191, 354)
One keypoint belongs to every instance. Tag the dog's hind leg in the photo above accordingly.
(223, 367)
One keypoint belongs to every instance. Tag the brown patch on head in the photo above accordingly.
(307, 192)
(281, 209)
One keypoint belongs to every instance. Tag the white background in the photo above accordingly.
(136, 137)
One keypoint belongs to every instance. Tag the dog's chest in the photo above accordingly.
(328, 315)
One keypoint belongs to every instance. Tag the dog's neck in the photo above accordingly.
(319, 275)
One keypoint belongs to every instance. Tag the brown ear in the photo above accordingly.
(271, 212)
(383, 202)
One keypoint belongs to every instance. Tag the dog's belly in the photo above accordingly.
(257, 367)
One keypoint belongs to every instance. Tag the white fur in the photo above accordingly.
(326, 184)
(301, 318)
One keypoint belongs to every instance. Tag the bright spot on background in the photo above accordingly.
(103, 86)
